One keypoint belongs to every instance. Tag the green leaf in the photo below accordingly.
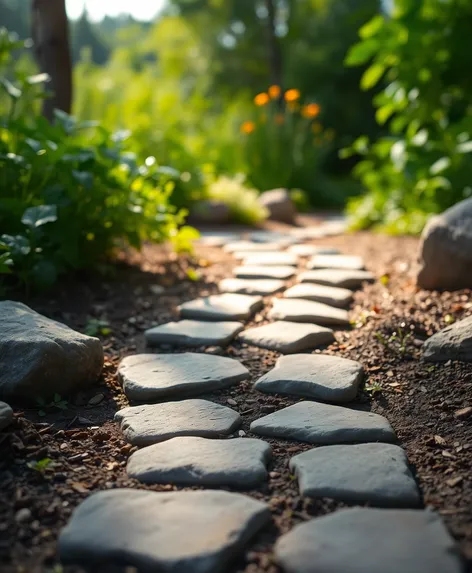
(40, 215)
(372, 76)
(362, 52)
(384, 113)
(372, 27)
(193, 275)
(17, 244)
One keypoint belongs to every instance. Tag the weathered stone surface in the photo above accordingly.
(377, 474)
(336, 262)
(156, 376)
(262, 287)
(267, 272)
(193, 333)
(337, 277)
(333, 296)
(311, 250)
(317, 423)
(272, 237)
(6, 415)
(269, 258)
(446, 249)
(153, 423)
(252, 246)
(362, 540)
(209, 211)
(299, 310)
(288, 337)
(279, 204)
(225, 306)
(217, 239)
(238, 462)
(41, 357)
(317, 376)
(171, 532)
(451, 343)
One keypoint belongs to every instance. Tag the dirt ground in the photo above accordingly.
(421, 400)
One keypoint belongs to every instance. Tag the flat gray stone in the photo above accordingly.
(377, 474)
(299, 310)
(272, 259)
(186, 461)
(6, 415)
(217, 239)
(40, 357)
(249, 246)
(311, 250)
(266, 272)
(272, 237)
(261, 287)
(169, 532)
(451, 343)
(364, 540)
(317, 376)
(225, 306)
(153, 423)
(337, 277)
(288, 337)
(193, 333)
(155, 376)
(317, 423)
(333, 296)
(346, 262)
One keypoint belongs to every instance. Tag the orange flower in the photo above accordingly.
(274, 92)
(248, 127)
(311, 110)
(261, 99)
(292, 95)
(279, 119)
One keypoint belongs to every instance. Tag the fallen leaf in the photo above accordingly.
(454, 481)
(79, 487)
(440, 440)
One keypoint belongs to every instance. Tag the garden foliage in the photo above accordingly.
(70, 192)
(419, 52)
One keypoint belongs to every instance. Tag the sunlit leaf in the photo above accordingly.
(40, 215)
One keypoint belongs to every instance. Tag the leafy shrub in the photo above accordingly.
(423, 164)
(70, 192)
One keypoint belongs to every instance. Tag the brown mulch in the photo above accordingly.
(87, 452)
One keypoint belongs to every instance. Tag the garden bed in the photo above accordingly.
(88, 453)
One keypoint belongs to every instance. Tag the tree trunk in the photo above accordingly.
(275, 54)
(51, 45)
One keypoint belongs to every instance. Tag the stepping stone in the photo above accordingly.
(172, 532)
(336, 262)
(272, 237)
(310, 250)
(226, 306)
(299, 310)
(363, 540)
(288, 337)
(193, 333)
(451, 343)
(377, 474)
(6, 415)
(186, 461)
(266, 272)
(317, 376)
(216, 239)
(153, 423)
(337, 277)
(317, 423)
(249, 246)
(252, 287)
(155, 376)
(334, 296)
(276, 259)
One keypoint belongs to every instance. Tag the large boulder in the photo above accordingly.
(446, 249)
(40, 357)
(211, 212)
(451, 343)
(280, 205)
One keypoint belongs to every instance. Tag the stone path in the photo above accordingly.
(198, 442)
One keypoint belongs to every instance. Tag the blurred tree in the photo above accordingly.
(50, 31)
(85, 35)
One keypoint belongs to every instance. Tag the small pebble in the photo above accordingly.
(23, 515)
(95, 400)
(231, 402)
(241, 433)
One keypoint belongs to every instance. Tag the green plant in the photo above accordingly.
(40, 466)
(57, 402)
(397, 343)
(373, 388)
(95, 326)
(422, 165)
(70, 192)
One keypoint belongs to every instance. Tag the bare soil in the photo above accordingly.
(421, 400)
